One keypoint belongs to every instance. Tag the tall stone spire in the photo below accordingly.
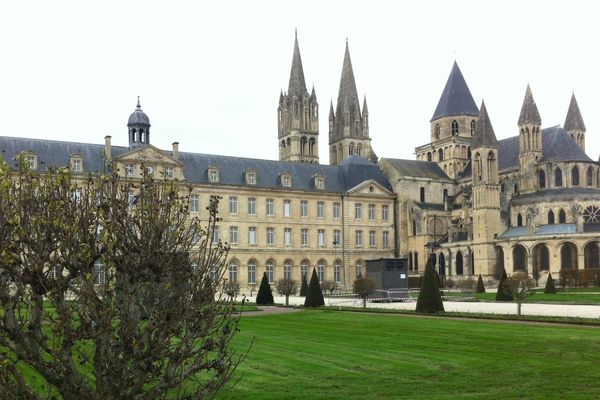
(574, 121)
(348, 92)
(529, 110)
(456, 99)
(297, 85)
(484, 132)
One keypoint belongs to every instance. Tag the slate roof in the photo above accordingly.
(417, 169)
(529, 111)
(552, 229)
(297, 85)
(484, 132)
(138, 117)
(574, 121)
(456, 98)
(564, 194)
(338, 178)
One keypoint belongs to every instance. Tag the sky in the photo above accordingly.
(209, 74)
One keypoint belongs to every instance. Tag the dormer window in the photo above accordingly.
(286, 180)
(76, 164)
(128, 169)
(213, 174)
(251, 177)
(31, 161)
(169, 172)
(319, 182)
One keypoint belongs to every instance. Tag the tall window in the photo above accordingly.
(575, 176)
(213, 175)
(454, 127)
(270, 270)
(589, 177)
(416, 261)
(414, 227)
(304, 208)
(542, 179)
(321, 237)
(287, 269)
(422, 195)
(459, 264)
(550, 217)
(252, 236)
(194, 203)
(269, 208)
(233, 235)
(357, 210)
(372, 240)
(337, 272)
(287, 236)
(320, 209)
(336, 210)
(519, 220)
(358, 238)
(562, 217)
(216, 234)
(386, 239)
(252, 272)
(371, 212)
(270, 236)
(321, 271)
(472, 127)
(287, 208)
(436, 131)
(304, 268)
(558, 177)
(128, 169)
(385, 213)
(233, 208)
(358, 269)
(251, 206)
(304, 237)
(337, 237)
(76, 165)
(233, 272)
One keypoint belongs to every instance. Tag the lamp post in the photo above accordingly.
(433, 226)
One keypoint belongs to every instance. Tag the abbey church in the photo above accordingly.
(469, 202)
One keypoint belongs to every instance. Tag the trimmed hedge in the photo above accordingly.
(265, 295)
(430, 297)
(314, 296)
(502, 294)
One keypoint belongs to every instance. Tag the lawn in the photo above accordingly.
(341, 355)
(575, 296)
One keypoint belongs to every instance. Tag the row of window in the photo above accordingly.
(454, 127)
(304, 237)
(168, 171)
(558, 177)
(591, 215)
(287, 208)
(76, 163)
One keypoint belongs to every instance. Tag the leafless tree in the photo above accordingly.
(329, 286)
(521, 286)
(286, 287)
(109, 289)
(363, 287)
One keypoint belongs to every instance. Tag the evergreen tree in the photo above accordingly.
(550, 288)
(480, 285)
(265, 295)
(430, 297)
(502, 294)
(304, 287)
(314, 296)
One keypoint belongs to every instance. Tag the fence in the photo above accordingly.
(350, 299)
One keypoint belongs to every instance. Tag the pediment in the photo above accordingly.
(371, 188)
(148, 154)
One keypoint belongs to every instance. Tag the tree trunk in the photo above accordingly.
(519, 308)
(364, 302)
(287, 299)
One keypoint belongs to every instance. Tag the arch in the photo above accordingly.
(321, 265)
(304, 266)
(491, 165)
(422, 194)
(270, 270)
(589, 176)
(442, 263)
(303, 145)
(429, 156)
(519, 258)
(575, 176)
(472, 127)
(519, 219)
(568, 256)
(499, 259)
(459, 263)
(542, 179)
(541, 257)
(477, 167)
(311, 147)
(591, 255)
(440, 155)
(550, 217)
(562, 217)
(359, 149)
(558, 177)
(454, 127)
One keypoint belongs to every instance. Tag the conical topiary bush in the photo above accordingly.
(550, 288)
(502, 294)
(430, 297)
(314, 297)
(265, 295)
(480, 285)
(304, 286)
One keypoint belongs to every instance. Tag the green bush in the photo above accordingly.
(430, 297)
(550, 288)
(314, 296)
(304, 287)
(480, 285)
(502, 294)
(265, 295)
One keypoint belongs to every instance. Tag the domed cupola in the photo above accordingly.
(139, 127)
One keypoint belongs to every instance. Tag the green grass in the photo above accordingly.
(571, 296)
(328, 354)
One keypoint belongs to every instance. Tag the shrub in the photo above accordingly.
(265, 295)
(232, 289)
(480, 285)
(520, 286)
(314, 296)
(550, 288)
(430, 298)
(502, 294)
(304, 286)
(286, 287)
(329, 286)
(363, 287)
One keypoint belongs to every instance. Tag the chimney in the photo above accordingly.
(107, 147)
(176, 150)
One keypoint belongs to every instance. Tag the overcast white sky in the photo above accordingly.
(209, 73)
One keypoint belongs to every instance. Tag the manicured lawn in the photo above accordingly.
(589, 296)
(341, 355)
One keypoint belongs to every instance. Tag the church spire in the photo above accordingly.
(574, 121)
(456, 99)
(348, 90)
(529, 110)
(484, 132)
(297, 85)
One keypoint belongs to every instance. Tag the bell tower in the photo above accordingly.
(138, 126)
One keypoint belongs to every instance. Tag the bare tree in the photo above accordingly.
(232, 289)
(521, 286)
(109, 289)
(329, 286)
(286, 287)
(363, 287)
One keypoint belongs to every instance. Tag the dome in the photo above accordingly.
(138, 117)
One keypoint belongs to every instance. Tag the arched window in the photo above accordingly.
(442, 263)
(416, 261)
(519, 220)
(469, 152)
(499, 259)
(459, 264)
(562, 217)
(575, 176)
(422, 195)
(541, 257)
(550, 217)
(445, 194)
(589, 177)
(477, 167)
(233, 272)
(429, 156)
(592, 255)
(321, 270)
(251, 272)
(491, 163)
(270, 270)
(568, 256)
(414, 227)
(454, 127)
(410, 261)
(591, 215)
(440, 155)
(558, 177)
(437, 131)
(516, 188)
(519, 258)
(542, 179)
(472, 127)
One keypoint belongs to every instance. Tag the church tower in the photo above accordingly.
(348, 127)
(298, 118)
(486, 194)
(530, 143)
(452, 126)
(138, 126)
(574, 124)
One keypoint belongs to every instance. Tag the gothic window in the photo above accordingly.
(445, 195)
(416, 261)
(454, 128)
(477, 165)
(414, 227)
(437, 131)
(429, 156)
(519, 257)
(303, 145)
(311, 147)
(591, 215)
(542, 179)
(422, 195)
(459, 264)
(410, 261)
(516, 188)
(472, 127)
(440, 155)
(591, 255)
(469, 152)
(491, 165)
(568, 256)
(550, 217)
(575, 176)
(558, 177)
(589, 177)
(541, 257)
(562, 217)
(519, 220)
